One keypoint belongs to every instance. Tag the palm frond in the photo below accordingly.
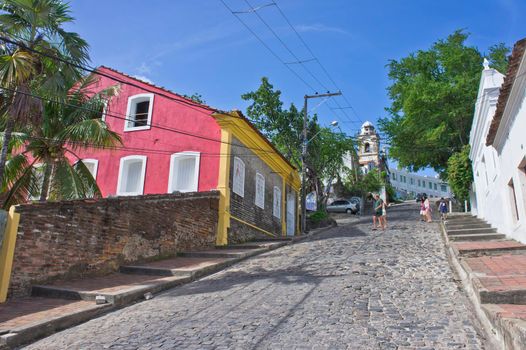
(72, 182)
(91, 132)
(23, 181)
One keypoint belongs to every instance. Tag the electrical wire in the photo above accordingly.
(151, 125)
(317, 60)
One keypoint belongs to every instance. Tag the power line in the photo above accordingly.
(268, 47)
(317, 60)
(128, 119)
(298, 60)
(182, 100)
(130, 149)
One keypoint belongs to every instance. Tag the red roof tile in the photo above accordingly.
(505, 90)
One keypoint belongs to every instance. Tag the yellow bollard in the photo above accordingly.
(8, 251)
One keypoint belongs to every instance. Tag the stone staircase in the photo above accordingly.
(493, 271)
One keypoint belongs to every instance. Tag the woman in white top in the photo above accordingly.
(427, 206)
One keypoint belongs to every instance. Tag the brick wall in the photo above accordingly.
(244, 207)
(59, 240)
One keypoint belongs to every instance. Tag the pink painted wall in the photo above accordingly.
(155, 143)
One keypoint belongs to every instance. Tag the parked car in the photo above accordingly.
(342, 206)
(357, 201)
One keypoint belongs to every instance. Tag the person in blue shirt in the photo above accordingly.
(442, 208)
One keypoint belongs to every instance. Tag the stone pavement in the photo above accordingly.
(349, 287)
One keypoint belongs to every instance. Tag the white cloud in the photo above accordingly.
(318, 27)
(143, 78)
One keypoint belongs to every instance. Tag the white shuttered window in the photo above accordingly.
(238, 183)
(184, 172)
(131, 176)
(277, 203)
(260, 191)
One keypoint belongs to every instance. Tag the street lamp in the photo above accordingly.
(305, 141)
(334, 124)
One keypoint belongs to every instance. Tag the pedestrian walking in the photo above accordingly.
(422, 210)
(442, 208)
(384, 215)
(378, 212)
(427, 206)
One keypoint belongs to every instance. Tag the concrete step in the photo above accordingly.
(223, 253)
(465, 222)
(498, 279)
(460, 217)
(26, 319)
(179, 266)
(117, 289)
(510, 322)
(475, 225)
(258, 245)
(477, 237)
(471, 231)
(482, 248)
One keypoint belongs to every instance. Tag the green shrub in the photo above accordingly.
(318, 216)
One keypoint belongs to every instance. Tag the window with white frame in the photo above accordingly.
(260, 191)
(184, 172)
(131, 176)
(277, 203)
(238, 178)
(139, 112)
(92, 165)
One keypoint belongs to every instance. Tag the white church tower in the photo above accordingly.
(368, 147)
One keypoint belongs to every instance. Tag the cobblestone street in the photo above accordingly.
(349, 287)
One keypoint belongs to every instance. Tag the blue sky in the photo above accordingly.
(199, 46)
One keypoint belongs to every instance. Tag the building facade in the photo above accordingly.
(498, 147)
(408, 185)
(173, 144)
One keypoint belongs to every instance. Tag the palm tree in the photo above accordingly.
(69, 123)
(35, 29)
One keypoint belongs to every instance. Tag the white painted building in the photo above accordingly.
(498, 147)
(408, 185)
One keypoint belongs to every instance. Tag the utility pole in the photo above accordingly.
(305, 141)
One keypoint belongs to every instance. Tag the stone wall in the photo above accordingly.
(244, 207)
(60, 240)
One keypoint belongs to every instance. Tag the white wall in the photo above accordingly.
(496, 165)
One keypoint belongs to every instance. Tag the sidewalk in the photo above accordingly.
(63, 304)
(493, 271)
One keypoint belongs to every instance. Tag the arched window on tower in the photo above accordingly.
(367, 147)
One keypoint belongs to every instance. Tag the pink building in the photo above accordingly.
(169, 143)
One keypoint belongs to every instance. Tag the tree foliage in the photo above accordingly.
(68, 123)
(433, 93)
(196, 97)
(460, 174)
(35, 27)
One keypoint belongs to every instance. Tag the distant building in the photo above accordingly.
(498, 147)
(408, 185)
